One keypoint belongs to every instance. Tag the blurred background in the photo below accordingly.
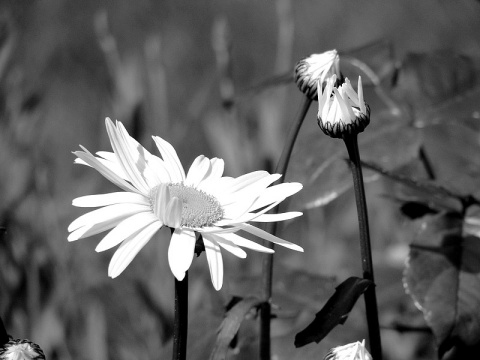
(213, 78)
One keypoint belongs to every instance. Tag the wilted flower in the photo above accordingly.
(21, 350)
(353, 351)
(316, 69)
(156, 193)
(344, 112)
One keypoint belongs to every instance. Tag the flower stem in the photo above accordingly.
(365, 247)
(180, 326)
(267, 265)
(3, 333)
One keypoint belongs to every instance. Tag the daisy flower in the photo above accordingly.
(156, 192)
(344, 111)
(352, 351)
(310, 73)
(21, 349)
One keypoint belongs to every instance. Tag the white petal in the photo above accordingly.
(216, 169)
(170, 157)
(241, 241)
(143, 160)
(107, 213)
(89, 230)
(246, 217)
(277, 217)
(215, 262)
(115, 178)
(228, 245)
(217, 187)
(269, 237)
(236, 204)
(352, 95)
(197, 171)
(109, 159)
(235, 210)
(173, 214)
(125, 229)
(324, 99)
(247, 179)
(161, 200)
(246, 199)
(181, 251)
(217, 230)
(124, 155)
(276, 193)
(159, 169)
(347, 113)
(155, 171)
(110, 199)
(130, 248)
(363, 108)
(113, 166)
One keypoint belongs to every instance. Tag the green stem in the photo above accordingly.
(365, 247)
(267, 265)
(180, 326)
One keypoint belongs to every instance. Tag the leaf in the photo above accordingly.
(442, 275)
(426, 192)
(451, 148)
(426, 79)
(318, 162)
(463, 108)
(334, 312)
(416, 209)
(230, 325)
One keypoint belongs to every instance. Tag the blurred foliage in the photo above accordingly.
(212, 77)
(443, 277)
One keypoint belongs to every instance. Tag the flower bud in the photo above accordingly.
(343, 112)
(314, 69)
(353, 351)
(21, 349)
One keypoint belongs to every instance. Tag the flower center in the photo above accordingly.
(199, 209)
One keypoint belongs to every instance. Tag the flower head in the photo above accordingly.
(353, 351)
(343, 112)
(157, 192)
(21, 350)
(315, 69)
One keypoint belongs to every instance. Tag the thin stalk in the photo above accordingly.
(365, 247)
(3, 333)
(267, 265)
(426, 163)
(180, 326)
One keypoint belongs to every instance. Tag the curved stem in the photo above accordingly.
(180, 326)
(267, 265)
(365, 247)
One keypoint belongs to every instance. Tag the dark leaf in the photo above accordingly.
(422, 191)
(442, 276)
(334, 312)
(318, 162)
(426, 79)
(450, 148)
(464, 108)
(415, 209)
(230, 325)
